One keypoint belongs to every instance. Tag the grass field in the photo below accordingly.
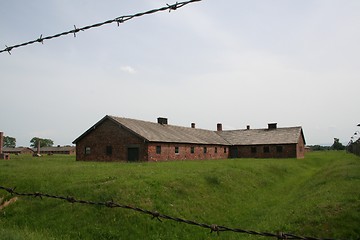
(317, 196)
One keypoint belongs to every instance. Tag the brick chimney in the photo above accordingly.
(272, 126)
(1, 142)
(162, 121)
(38, 147)
(192, 125)
(219, 127)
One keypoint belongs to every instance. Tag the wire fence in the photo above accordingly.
(117, 20)
(111, 204)
(214, 228)
(354, 147)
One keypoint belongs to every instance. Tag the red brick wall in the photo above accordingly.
(301, 147)
(111, 134)
(168, 152)
(288, 151)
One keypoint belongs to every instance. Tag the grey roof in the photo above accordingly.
(155, 132)
(287, 135)
(16, 149)
(56, 149)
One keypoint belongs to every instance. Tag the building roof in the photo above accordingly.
(155, 132)
(16, 149)
(288, 135)
(56, 149)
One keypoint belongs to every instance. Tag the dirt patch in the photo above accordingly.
(4, 204)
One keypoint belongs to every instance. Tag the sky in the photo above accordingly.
(233, 62)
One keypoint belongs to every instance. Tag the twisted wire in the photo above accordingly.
(156, 215)
(118, 20)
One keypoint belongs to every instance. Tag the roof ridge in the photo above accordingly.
(170, 125)
(252, 129)
(156, 132)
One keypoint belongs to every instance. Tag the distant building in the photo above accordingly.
(124, 139)
(18, 150)
(69, 150)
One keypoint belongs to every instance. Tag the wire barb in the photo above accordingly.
(40, 39)
(281, 235)
(71, 199)
(172, 7)
(156, 215)
(118, 20)
(37, 194)
(110, 204)
(75, 31)
(8, 49)
(214, 228)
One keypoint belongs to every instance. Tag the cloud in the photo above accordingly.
(128, 69)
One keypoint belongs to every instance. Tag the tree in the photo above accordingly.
(43, 142)
(337, 145)
(319, 147)
(9, 142)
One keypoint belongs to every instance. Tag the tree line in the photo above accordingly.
(337, 145)
(11, 142)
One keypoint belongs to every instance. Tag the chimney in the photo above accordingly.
(162, 121)
(272, 126)
(192, 125)
(1, 142)
(219, 127)
(248, 127)
(38, 147)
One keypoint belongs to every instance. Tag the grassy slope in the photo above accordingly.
(316, 196)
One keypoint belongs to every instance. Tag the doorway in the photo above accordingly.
(133, 154)
(234, 152)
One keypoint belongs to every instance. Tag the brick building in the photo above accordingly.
(271, 142)
(124, 139)
(18, 150)
(69, 150)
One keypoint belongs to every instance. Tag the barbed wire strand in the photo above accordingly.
(156, 215)
(117, 20)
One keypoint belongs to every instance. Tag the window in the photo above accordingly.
(192, 150)
(177, 150)
(87, 150)
(266, 149)
(215, 149)
(108, 150)
(205, 149)
(253, 149)
(158, 149)
(279, 149)
(225, 150)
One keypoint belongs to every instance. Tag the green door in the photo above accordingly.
(133, 154)
(234, 152)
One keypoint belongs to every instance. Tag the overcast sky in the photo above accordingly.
(231, 61)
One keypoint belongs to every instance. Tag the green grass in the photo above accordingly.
(317, 196)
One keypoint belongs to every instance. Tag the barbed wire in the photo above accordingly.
(156, 215)
(117, 20)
